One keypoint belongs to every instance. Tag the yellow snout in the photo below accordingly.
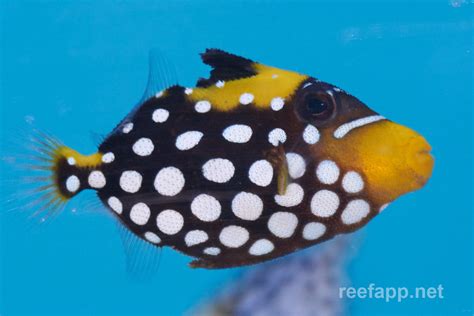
(393, 159)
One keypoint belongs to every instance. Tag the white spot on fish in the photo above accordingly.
(327, 172)
(246, 98)
(143, 147)
(195, 237)
(311, 135)
(218, 170)
(261, 247)
(247, 206)
(324, 203)
(277, 136)
(237, 133)
(130, 181)
(115, 204)
(152, 237)
(188, 140)
(127, 128)
(234, 236)
(140, 213)
(72, 183)
(293, 196)
(282, 224)
(296, 165)
(202, 106)
(108, 157)
(169, 222)
(261, 173)
(355, 211)
(96, 179)
(212, 251)
(352, 182)
(160, 115)
(277, 104)
(169, 181)
(206, 207)
(313, 231)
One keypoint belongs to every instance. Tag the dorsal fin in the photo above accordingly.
(225, 66)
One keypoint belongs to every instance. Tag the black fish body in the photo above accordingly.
(252, 164)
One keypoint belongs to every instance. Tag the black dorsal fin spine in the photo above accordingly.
(225, 66)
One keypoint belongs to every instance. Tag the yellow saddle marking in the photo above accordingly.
(268, 83)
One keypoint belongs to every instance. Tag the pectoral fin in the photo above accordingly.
(277, 158)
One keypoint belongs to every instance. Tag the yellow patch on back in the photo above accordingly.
(268, 83)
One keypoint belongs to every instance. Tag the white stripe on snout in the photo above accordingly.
(342, 130)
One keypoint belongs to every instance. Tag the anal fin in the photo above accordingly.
(142, 258)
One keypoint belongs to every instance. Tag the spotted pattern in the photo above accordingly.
(160, 115)
(277, 104)
(108, 157)
(206, 207)
(202, 106)
(140, 213)
(127, 128)
(355, 211)
(195, 237)
(277, 136)
(261, 173)
(313, 230)
(169, 181)
(234, 236)
(152, 237)
(261, 247)
(327, 172)
(115, 204)
(296, 165)
(293, 196)
(324, 203)
(170, 222)
(218, 170)
(143, 147)
(207, 183)
(97, 179)
(188, 140)
(352, 182)
(237, 133)
(131, 181)
(283, 224)
(73, 183)
(247, 206)
(246, 98)
(311, 135)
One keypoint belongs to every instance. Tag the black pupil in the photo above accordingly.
(316, 106)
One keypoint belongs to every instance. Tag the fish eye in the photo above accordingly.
(317, 106)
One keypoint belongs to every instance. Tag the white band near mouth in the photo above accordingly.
(342, 130)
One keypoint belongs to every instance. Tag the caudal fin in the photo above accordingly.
(65, 172)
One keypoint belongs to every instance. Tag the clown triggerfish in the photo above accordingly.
(251, 164)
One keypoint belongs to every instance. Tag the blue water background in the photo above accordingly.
(77, 67)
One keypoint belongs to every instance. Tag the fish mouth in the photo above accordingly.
(420, 159)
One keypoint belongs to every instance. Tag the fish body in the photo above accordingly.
(252, 164)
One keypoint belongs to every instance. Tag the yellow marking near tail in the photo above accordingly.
(268, 83)
(82, 161)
